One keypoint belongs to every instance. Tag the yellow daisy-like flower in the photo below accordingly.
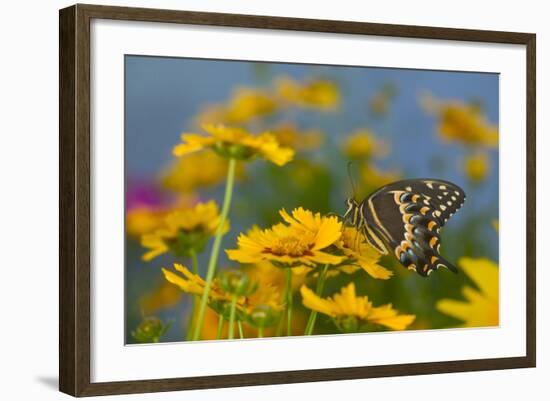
(288, 135)
(197, 170)
(190, 283)
(347, 308)
(266, 295)
(481, 306)
(246, 104)
(316, 93)
(194, 284)
(461, 122)
(362, 144)
(143, 219)
(182, 230)
(359, 252)
(235, 143)
(299, 243)
(477, 166)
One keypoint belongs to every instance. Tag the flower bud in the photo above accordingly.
(233, 151)
(347, 324)
(188, 241)
(262, 316)
(237, 282)
(150, 330)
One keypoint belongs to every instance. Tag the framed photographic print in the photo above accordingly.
(251, 200)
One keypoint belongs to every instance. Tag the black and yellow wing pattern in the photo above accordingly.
(406, 216)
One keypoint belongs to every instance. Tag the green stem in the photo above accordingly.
(288, 301)
(216, 247)
(260, 332)
(196, 298)
(232, 316)
(194, 261)
(319, 291)
(220, 327)
(240, 326)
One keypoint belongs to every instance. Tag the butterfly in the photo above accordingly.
(404, 218)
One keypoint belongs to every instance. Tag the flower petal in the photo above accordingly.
(483, 272)
(316, 303)
(387, 316)
(329, 232)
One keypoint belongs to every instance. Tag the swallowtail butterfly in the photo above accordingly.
(404, 219)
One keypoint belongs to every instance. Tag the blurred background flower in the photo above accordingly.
(477, 166)
(314, 93)
(196, 171)
(363, 145)
(183, 231)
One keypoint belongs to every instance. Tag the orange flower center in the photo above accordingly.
(290, 246)
(352, 240)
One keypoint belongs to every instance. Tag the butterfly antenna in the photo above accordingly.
(351, 180)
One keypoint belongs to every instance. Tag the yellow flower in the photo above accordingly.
(477, 166)
(194, 284)
(182, 230)
(299, 243)
(461, 122)
(266, 295)
(359, 252)
(245, 105)
(362, 144)
(288, 135)
(145, 219)
(248, 103)
(142, 220)
(346, 307)
(481, 306)
(235, 143)
(197, 170)
(317, 93)
(374, 178)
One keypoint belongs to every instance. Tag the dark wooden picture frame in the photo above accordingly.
(74, 202)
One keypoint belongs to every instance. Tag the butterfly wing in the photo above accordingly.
(408, 215)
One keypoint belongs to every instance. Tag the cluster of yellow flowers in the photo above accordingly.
(249, 104)
(230, 122)
(305, 246)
